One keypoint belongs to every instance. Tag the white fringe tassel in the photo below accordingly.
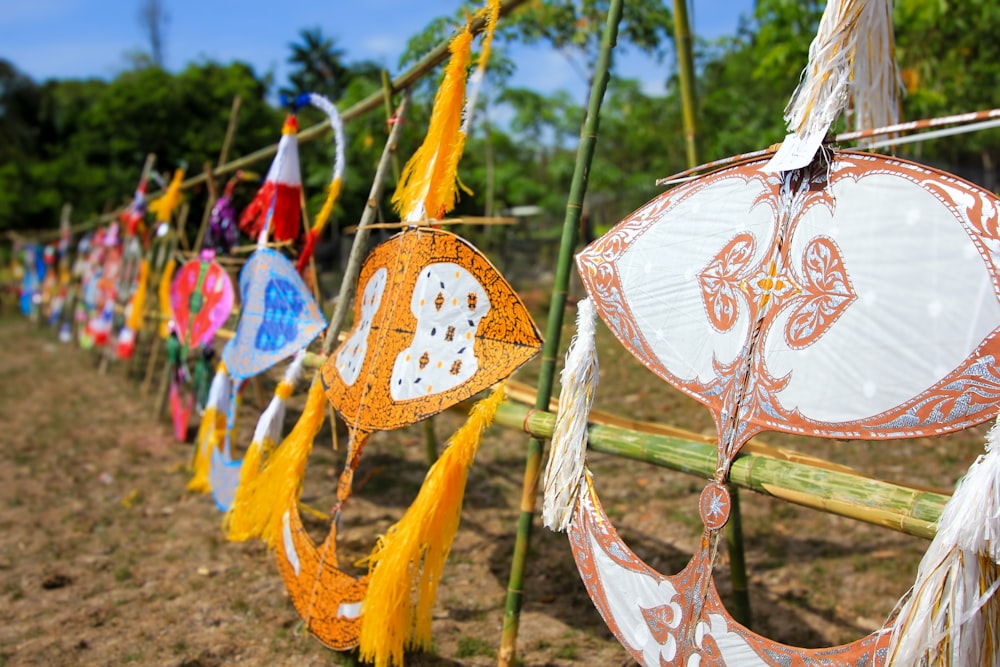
(218, 391)
(852, 55)
(269, 425)
(951, 614)
(327, 107)
(567, 454)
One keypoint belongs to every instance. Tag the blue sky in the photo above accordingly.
(84, 38)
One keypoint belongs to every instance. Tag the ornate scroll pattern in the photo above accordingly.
(814, 288)
(598, 263)
(827, 292)
(669, 632)
(720, 281)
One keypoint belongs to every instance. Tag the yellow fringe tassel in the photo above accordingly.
(166, 310)
(430, 177)
(332, 192)
(139, 298)
(492, 11)
(163, 207)
(257, 509)
(406, 563)
(210, 433)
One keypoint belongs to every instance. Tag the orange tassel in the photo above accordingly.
(428, 187)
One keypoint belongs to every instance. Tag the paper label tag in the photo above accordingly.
(795, 152)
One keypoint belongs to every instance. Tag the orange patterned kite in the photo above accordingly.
(435, 323)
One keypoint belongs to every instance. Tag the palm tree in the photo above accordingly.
(317, 66)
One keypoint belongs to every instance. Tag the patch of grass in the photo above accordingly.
(14, 591)
(469, 647)
(123, 573)
(179, 647)
(239, 606)
(566, 652)
(134, 656)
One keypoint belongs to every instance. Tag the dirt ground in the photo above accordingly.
(106, 559)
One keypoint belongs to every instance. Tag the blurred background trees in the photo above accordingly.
(84, 141)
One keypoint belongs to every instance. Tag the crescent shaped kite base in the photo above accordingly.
(657, 617)
(328, 599)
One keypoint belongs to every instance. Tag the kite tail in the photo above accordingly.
(163, 207)
(429, 184)
(277, 486)
(277, 204)
(951, 615)
(568, 451)
(407, 561)
(166, 310)
(211, 430)
(851, 56)
(332, 192)
(266, 435)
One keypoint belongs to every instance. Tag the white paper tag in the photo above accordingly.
(795, 152)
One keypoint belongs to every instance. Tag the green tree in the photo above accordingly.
(317, 66)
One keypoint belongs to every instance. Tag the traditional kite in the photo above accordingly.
(201, 298)
(102, 289)
(279, 319)
(853, 296)
(434, 324)
(223, 229)
(276, 208)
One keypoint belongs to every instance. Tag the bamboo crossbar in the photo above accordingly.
(831, 489)
(798, 478)
(476, 220)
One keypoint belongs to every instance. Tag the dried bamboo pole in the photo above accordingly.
(571, 226)
(481, 220)
(348, 284)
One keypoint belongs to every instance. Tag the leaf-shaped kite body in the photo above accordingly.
(435, 323)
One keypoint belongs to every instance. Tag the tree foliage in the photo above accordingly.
(84, 141)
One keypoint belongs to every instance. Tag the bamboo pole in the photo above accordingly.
(685, 67)
(348, 284)
(481, 220)
(805, 480)
(584, 157)
(435, 57)
(827, 488)
(387, 91)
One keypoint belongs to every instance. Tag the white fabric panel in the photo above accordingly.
(659, 275)
(448, 303)
(628, 592)
(286, 536)
(925, 300)
(285, 165)
(352, 354)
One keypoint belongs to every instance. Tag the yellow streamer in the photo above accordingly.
(406, 563)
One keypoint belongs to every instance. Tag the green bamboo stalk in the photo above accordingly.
(737, 561)
(685, 66)
(571, 225)
(836, 491)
